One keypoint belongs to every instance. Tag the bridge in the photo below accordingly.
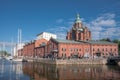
(114, 60)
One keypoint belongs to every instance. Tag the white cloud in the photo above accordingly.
(103, 22)
(104, 26)
(60, 31)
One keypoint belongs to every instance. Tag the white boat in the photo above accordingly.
(9, 58)
(18, 59)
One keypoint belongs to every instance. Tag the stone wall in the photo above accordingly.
(72, 61)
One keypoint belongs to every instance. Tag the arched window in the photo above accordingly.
(43, 44)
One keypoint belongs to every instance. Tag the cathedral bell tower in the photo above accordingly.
(78, 31)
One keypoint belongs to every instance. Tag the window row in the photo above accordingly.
(71, 49)
(106, 49)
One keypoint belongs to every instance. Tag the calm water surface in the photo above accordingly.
(10, 70)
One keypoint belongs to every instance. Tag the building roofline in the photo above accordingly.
(66, 41)
(98, 42)
(45, 32)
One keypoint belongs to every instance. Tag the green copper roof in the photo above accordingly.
(65, 41)
(79, 42)
(99, 42)
(78, 19)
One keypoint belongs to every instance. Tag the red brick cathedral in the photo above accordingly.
(78, 44)
(79, 31)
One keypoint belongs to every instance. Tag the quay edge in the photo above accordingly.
(71, 61)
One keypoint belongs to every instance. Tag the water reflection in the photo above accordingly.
(10, 70)
(35, 71)
(39, 71)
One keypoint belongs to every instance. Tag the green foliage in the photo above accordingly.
(106, 39)
(4, 53)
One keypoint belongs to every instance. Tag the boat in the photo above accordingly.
(19, 60)
(9, 58)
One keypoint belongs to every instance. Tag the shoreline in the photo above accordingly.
(71, 61)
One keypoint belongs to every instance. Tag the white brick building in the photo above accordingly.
(46, 36)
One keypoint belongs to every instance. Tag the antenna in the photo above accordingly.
(11, 46)
(20, 41)
(20, 36)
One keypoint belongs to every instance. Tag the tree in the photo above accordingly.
(106, 39)
(118, 42)
(4, 53)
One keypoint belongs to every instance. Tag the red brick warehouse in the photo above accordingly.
(78, 43)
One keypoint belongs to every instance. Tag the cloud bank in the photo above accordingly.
(103, 26)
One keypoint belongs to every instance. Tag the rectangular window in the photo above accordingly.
(76, 49)
(111, 49)
(79, 49)
(98, 49)
(93, 49)
(62, 49)
(106, 49)
(65, 49)
(103, 49)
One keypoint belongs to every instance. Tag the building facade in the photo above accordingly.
(28, 49)
(17, 51)
(78, 44)
(38, 47)
(46, 36)
(79, 31)
(80, 49)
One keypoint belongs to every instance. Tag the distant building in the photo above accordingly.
(46, 36)
(28, 49)
(33, 48)
(78, 44)
(70, 48)
(17, 49)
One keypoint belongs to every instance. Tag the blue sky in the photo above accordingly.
(102, 17)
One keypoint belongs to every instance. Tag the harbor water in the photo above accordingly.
(10, 70)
